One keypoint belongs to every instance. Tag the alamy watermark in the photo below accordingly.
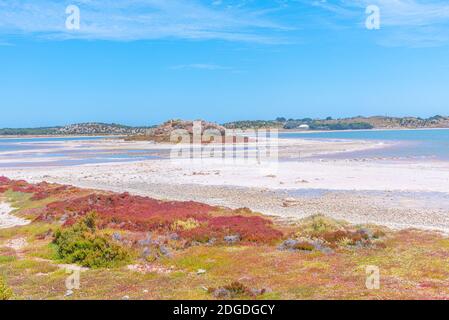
(373, 20)
(72, 282)
(254, 148)
(73, 21)
(372, 281)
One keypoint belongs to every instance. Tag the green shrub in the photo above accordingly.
(318, 224)
(81, 244)
(237, 289)
(5, 291)
(305, 246)
(234, 290)
(6, 259)
(186, 225)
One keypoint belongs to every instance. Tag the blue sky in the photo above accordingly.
(140, 62)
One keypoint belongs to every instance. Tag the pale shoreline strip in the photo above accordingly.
(8, 220)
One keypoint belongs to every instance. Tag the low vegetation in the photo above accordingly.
(162, 132)
(81, 244)
(339, 233)
(355, 123)
(144, 248)
(194, 221)
(5, 291)
(91, 128)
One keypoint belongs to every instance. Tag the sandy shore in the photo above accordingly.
(331, 175)
(392, 194)
(397, 194)
(7, 220)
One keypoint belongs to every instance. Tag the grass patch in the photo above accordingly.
(48, 252)
(18, 199)
(7, 259)
(5, 291)
(31, 230)
(207, 258)
(25, 201)
(33, 266)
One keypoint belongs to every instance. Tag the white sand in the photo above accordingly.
(331, 175)
(7, 220)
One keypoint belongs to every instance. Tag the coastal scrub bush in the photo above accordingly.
(4, 180)
(319, 224)
(377, 234)
(5, 291)
(40, 190)
(345, 242)
(304, 246)
(81, 244)
(249, 229)
(188, 224)
(344, 237)
(129, 212)
(235, 290)
(192, 220)
(335, 233)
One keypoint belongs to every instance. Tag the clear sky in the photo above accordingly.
(140, 62)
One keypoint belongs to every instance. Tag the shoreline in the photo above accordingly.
(359, 130)
(8, 220)
(287, 147)
(280, 131)
(5, 137)
(264, 186)
(356, 192)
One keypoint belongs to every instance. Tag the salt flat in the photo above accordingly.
(264, 186)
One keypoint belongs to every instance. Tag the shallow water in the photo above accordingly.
(31, 152)
(403, 144)
(432, 144)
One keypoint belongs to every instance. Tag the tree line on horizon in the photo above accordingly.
(329, 123)
(354, 123)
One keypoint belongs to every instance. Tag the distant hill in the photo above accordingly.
(355, 123)
(100, 128)
(91, 128)
(403, 122)
(162, 132)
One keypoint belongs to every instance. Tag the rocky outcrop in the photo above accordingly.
(195, 131)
